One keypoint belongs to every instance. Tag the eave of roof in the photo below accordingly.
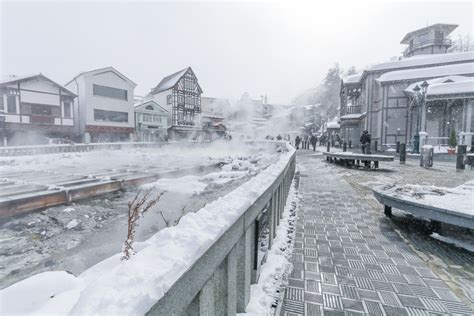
(110, 68)
(30, 77)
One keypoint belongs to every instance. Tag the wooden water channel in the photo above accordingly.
(23, 192)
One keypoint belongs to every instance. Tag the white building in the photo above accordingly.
(180, 95)
(151, 122)
(104, 107)
(34, 107)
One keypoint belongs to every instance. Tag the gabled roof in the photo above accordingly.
(447, 28)
(427, 73)
(102, 70)
(170, 81)
(35, 76)
(145, 103)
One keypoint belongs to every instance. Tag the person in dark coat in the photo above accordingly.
(297, 142)
(279, 137)
(365, 139)
(314, 141)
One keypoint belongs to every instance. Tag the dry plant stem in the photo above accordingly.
(140, 204)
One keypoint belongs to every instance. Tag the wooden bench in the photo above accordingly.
(351, 159)
(435, 214)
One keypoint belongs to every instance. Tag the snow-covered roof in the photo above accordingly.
(428, 72)
(446, 79)
(452, 88)
(352, 116)
(424, 60)
(34, 76)
(352, 78)
(333, 125)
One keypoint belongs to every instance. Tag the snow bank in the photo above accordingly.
(459, 199)
(265, 294)
(114, 287)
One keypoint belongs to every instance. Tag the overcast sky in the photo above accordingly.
(279, 48)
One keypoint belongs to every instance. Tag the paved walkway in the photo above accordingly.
(348, 261)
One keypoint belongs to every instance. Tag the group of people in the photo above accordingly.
(365, 140)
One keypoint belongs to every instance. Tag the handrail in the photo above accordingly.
(229, 257)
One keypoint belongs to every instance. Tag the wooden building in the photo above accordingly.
(34, 108)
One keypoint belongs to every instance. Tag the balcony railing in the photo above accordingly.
(433, 41)
(355, 109)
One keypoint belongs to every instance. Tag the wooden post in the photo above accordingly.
(398, 148)
(344, 146)
(403, 153)
(460, 157)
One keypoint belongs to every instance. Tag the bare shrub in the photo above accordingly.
(137, 207)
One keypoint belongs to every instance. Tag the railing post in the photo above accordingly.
(244, 270)
(206, 298)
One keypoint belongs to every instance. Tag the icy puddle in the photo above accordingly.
(75, 237)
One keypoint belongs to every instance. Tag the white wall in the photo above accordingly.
(89, 102)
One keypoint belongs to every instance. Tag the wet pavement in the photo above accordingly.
(349, 259)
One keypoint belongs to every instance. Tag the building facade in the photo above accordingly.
(376, 99)
(151, 122)
(33, 108)
(105, 105)
(180, 94)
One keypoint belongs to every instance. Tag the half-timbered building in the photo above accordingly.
(180, 94)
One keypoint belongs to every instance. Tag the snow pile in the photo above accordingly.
(185, 185)
(264, 295)
(459, 199)
(114, 287)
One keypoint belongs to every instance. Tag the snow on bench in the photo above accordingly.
(353, 159)
(453, 206)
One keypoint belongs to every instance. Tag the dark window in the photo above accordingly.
(168, 99)
(38, 109)
(149, 107)
(1, 101)
(110, 116)
(110, 92)
(11, 104)
(67, 109)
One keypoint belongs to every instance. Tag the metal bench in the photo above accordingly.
(354, 160)
(435, 214)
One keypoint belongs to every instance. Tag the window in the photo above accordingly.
(169, 99)
(67, 109)
(1, 101)
(149, 108)
(110, 92)
(110, 116)
(11, 104)
(38, 109)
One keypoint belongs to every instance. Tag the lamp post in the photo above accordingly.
(421, 108)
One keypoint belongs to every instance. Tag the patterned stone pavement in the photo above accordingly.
(348, 261)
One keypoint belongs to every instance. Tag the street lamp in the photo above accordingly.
(416, 90)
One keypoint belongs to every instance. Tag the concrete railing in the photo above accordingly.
(218, 283)
(54, 149)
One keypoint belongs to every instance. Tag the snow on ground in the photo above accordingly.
(114, 287)
(265, 295)
(459, 199)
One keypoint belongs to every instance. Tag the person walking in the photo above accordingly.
(297, 142)
(279, 137)
(314, 141)
(365, 139)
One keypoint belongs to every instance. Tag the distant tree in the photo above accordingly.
(452, 139)
(351, 71)
(464, 43)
